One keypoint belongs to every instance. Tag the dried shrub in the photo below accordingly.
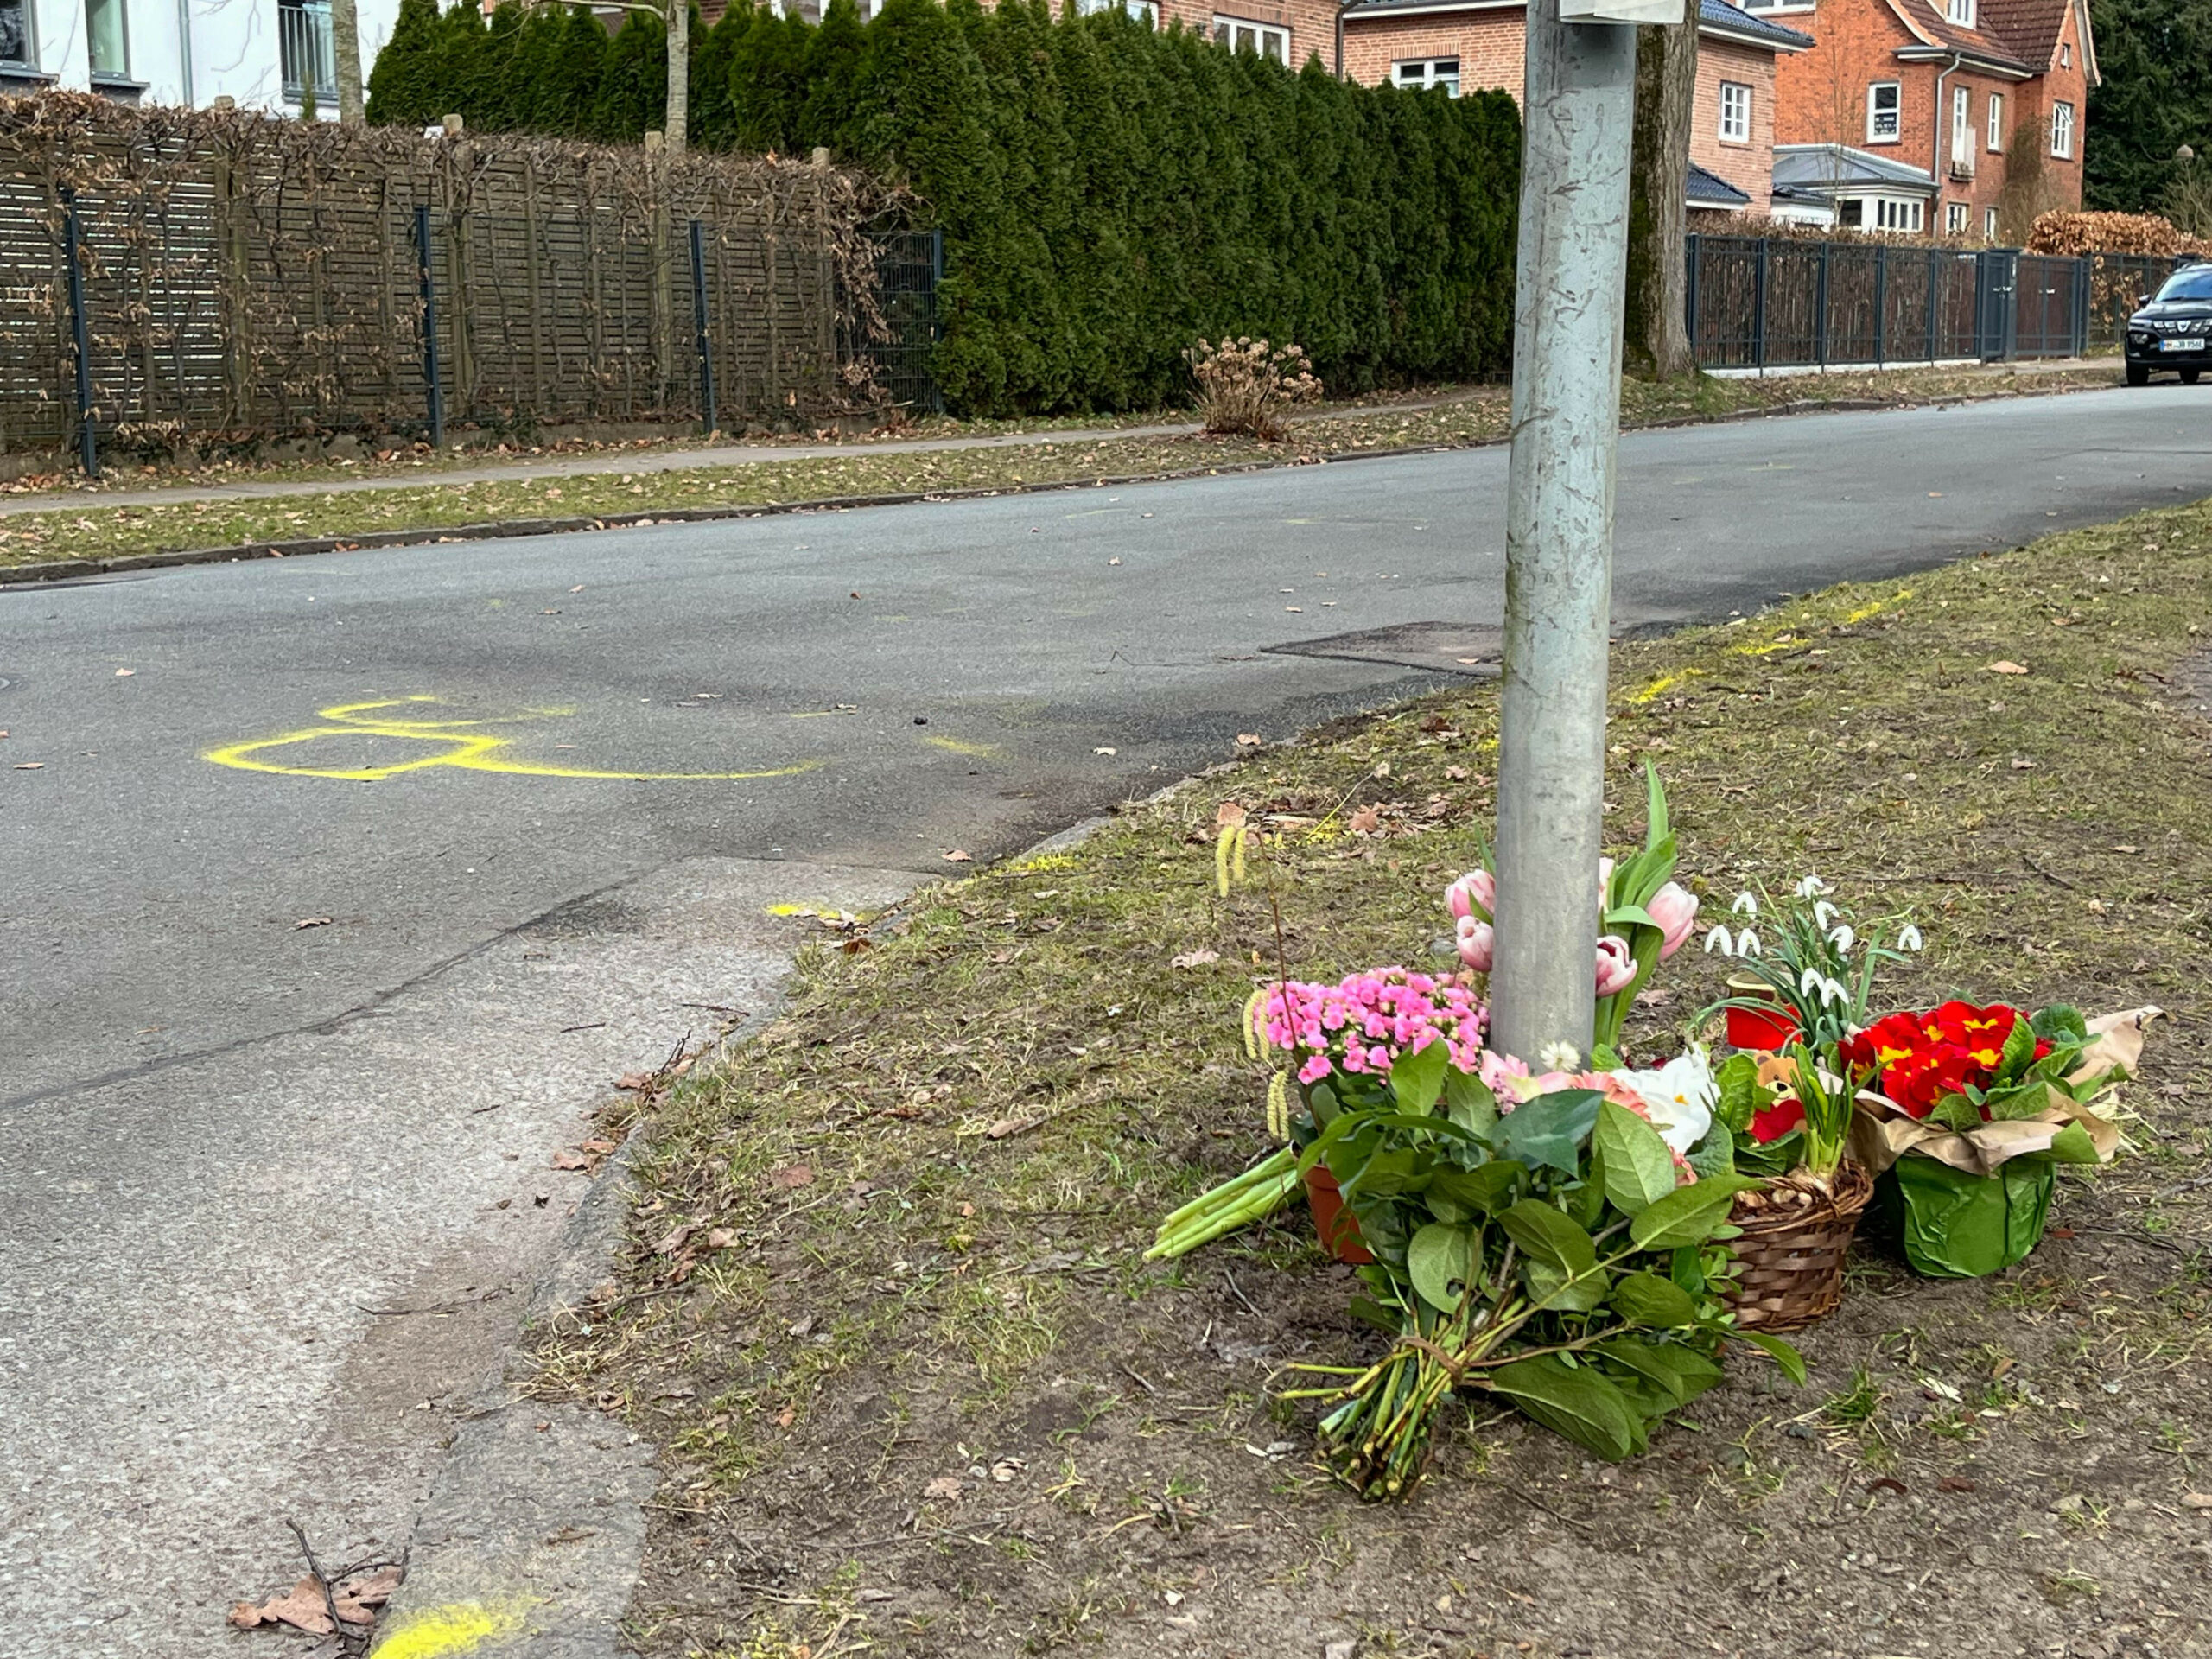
(1247, 385)
(2136, 233)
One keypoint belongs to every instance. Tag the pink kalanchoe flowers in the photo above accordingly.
(1362, 1024)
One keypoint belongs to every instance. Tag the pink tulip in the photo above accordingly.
(1674, 908)
(1473, 894)
(1615, 965)
(1477, 944)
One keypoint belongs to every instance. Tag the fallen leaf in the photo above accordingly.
(956, 856)
(1956, 1483)
(1366, 821)
(1007, 1468)
(803, 1325)
(311, 921)
(303, 1607)
(1457, 774)
(2024, 765)
(2005, 668)
(787, 1417)
(125, 673)
(674, 1239)
(2196, 1500)
(569, 1158)
(1229, 816)
(30, 766)
(1194, 959)
(578, 588)
(791, 1175)
(945, 1486)
(366, 1594)
(1249, 740)
(1887, 1484)
(1113, 561)
(722, 1239)
(1102, 751)
(634, 1080)
(1006, 1125)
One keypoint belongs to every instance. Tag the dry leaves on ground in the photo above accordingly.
(305, 1606)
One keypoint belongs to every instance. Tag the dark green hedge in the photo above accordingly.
(1109, 193)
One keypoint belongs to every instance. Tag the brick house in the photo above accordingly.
(1289, 31)
(1478, 43)
(1962, 117)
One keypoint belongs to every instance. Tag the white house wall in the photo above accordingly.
(232, 51)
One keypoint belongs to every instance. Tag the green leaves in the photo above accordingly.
(1417, 1077)
(1741, 1095)
(1548, 1132)
(1688, 1215)
(1645, 1298)
(1440, 1260)
(1576, 1401)
(1784, 1354)
(1562, 1259)
(1639, 1171)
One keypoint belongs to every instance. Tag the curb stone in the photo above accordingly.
(24, 576)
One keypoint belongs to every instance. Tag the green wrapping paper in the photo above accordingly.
(1954, 1225)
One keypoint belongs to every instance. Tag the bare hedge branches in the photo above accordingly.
(1246, 385)
(250, 277)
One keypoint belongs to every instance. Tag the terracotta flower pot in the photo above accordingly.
(1756, 1028)
(1337, 1226)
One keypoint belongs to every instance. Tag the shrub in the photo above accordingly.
(2140, 234)
(1245, 385)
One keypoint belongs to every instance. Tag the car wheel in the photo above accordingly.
(2188, 376)
(2138, 374)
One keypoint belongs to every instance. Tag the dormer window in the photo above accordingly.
(1960, 12)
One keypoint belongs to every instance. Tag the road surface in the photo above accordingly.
(333, 902)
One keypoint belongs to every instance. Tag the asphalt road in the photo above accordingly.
(268, 1190)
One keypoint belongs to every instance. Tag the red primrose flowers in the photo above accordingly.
(1920, 1057)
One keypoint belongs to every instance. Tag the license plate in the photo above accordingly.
(2180, 345)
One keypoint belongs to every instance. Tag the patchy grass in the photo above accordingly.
(927, 1381)
(85, 531)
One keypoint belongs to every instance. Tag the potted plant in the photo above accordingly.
(1967, 1111)
(1811, 974)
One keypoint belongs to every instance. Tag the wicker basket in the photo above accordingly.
(1789, 1260)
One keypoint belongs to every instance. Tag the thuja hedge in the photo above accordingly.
(1108, 193)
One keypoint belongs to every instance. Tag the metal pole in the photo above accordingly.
(434, 392)
(936, 313)
(1696, 258)
(1758, 304)
(87, 439)
(1821, 308)
(1558, 528)
(699, 319)
(1935, 299)
(1881, 302)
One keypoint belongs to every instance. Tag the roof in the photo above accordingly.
(1828, 167)
(1715, 16)
(1927, 21)
(1706, 189)
(1718, 15)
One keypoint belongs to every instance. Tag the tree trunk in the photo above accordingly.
(346, 47)
(680, 74)
(1657, 336)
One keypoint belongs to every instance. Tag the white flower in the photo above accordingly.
(1679, 1096)
(1809, 981)
(1812, 887)
(1745, 906)
(1718, 939)
(1823, 913)
(1909, 937)
(1843, 939)
(1558, 1056)
(1834, 991)
(1747, 943)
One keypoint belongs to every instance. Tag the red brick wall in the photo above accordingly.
(1489, 44)
(1312, 23)
(1748, 166)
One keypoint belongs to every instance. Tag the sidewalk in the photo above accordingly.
(683, 457)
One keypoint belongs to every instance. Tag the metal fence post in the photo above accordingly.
(435, 392)
(1821, 308)
(937, 315)
(1934, 298)
(2079, 343)
(709, 425)
(1759, 305)
(1881, 300)
(87, 439)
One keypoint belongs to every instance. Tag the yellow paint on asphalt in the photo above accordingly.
(459, 745)
(457, 1627)
(978, 751)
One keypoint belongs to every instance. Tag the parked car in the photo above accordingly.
(2174, 328)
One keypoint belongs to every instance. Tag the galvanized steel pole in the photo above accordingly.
(1573, 279)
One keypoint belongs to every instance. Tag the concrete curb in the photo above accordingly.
(78, 569)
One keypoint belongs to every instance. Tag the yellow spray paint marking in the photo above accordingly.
(1865, 611)
(1664, 684)
(457, 744)
(978, 751)
(458, 1627)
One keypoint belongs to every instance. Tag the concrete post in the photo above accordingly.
(1559, 534)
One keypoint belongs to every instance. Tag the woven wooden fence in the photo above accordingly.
(247, 278)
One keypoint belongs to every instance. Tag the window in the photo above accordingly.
(1989, 224)
(2066, 55)
(106, 43)
(1735, 112)
(1140, 9)
(1997, 121)
(1962, 126)
(304, 53)
(1851, 215)
(1883, 102)
(1960, 12)
(1954, 217)
(1892, 216)
(1428, 72)
(2062, 131)
(15, 34)
(1241, 35)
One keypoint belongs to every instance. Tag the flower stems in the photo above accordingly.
(1254, 1196)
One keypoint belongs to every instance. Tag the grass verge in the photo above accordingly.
(86, 530)
(884, 1306)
